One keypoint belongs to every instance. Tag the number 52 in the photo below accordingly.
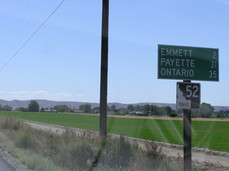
(192, 91)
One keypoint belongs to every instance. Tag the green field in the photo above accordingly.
(205, 134)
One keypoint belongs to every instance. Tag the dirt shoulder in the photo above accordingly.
(208, 159)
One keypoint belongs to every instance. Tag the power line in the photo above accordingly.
(32, 35)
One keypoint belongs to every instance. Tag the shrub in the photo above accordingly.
(82, 155)
(117, 153)
(24, 140)
(10, 123)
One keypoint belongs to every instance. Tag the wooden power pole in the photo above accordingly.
(104, 69)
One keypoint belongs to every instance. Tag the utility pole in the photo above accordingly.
(104, 69)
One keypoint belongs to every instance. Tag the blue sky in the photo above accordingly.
(62, 61)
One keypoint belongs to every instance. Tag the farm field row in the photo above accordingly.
(205, 134)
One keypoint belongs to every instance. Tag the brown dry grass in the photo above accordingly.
(156, 118)
(168, 118)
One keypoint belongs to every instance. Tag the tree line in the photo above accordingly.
(5, 108)
(33, 106)
(205, 110)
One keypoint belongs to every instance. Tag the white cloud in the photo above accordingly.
(61, 95)
(15, 94)
(40, 94)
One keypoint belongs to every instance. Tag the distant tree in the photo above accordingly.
(22, 109)
(61, 108)
(71, 110)
(168, 110)
(33, 106)
(86, 108)
(113, 108)
(42, 109)
(81, 107)
(137, 108)
(173, 114)
(222, 114)
(226, 114)
(162, 111)
(96, 110)
(5, 108)
(130, 108)
(206, 110)
(146, 109)
(154, 110)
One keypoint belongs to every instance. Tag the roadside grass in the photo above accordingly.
(34, 161)
(41, 150)
(205, 134)
(11, 127)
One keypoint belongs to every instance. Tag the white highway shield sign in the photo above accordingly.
(188, 95)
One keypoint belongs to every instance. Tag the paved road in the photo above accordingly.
(4, 166)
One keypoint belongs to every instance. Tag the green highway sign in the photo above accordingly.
(188, 63)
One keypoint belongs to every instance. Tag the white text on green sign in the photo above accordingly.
(187, 63)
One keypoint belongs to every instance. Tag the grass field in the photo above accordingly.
(205, 134)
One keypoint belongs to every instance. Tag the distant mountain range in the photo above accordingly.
(50, 104)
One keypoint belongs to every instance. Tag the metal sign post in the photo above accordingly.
(188, 98)
(187, 126)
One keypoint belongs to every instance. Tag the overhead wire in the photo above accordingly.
(12, 29)
(32, 35)
(8, 29)
(28, 24)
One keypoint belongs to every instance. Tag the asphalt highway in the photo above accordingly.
(4, 166)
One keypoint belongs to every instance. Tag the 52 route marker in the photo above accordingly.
(188, 95)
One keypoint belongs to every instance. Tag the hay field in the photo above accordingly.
(212, 134)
